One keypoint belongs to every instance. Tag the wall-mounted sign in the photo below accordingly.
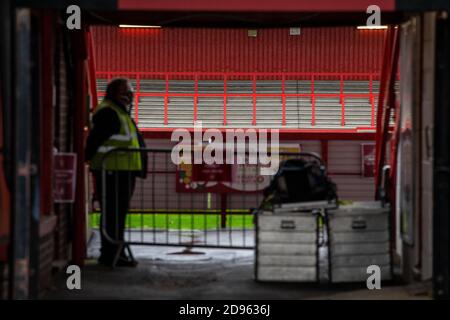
(252, 33)
(211, 172)
(368, 160)
(65, 165)
(294, 31)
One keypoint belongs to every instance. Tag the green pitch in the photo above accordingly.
(180, 221)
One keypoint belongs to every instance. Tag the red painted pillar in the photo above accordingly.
(342, 99)
(313, 103)
(91, 65)
(166, 101)
(225, 98)
(386, 101)
(195, 97)
(379, 157)
(254, 101)
(283, 100)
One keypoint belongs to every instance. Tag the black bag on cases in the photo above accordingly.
(298, 180)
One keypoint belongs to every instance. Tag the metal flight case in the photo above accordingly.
(359, 237)
(291, 229)
(288, 240)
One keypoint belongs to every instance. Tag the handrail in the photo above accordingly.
(386, 103)
(91, 68)
(192, 73)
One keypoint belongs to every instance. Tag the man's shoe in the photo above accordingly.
(122, 261)
(105, 262)
(126, 263)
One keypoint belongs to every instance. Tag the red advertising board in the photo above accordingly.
(211, 172)
(225, 178)
(64, 182)
(368, 160)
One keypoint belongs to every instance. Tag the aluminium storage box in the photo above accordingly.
(286, 247)
(359, 237)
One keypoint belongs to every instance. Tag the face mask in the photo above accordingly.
(130, 106)
(129, 95)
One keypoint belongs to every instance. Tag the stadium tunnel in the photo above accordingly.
(371, 94)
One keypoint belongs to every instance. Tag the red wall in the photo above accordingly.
(343, 49)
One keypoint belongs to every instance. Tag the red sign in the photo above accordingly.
(368, 160)
(203, 177)
(226, 178)
(65, 165)
(211, 172)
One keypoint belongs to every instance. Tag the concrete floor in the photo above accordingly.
(163, 273)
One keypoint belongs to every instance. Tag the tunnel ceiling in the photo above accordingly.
(230, 19)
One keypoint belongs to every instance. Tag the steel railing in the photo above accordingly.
(316, 87)
(161, 215)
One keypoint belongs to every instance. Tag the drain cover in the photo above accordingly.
(187, 251)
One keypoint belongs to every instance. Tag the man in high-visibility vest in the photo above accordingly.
(113, 128)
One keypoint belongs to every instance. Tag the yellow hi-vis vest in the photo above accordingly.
(126, 138)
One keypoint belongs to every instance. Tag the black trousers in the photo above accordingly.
(114, 194)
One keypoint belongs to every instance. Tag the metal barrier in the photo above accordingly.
(160, 210)
(313, 93)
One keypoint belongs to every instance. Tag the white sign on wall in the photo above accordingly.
(294, 31)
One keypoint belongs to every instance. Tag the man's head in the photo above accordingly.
(120, 90)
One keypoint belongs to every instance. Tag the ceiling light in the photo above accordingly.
(137, 26)
(371, 27)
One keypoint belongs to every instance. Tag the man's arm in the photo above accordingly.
(105, 124)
